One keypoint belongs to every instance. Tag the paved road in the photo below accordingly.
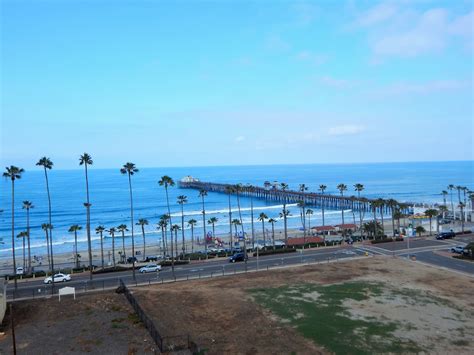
(35, 288)
(447, 262)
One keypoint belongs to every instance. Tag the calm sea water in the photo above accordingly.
(414, 182)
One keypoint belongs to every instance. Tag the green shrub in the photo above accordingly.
(276, 251)
(384, 240)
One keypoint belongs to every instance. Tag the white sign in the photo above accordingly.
(67, 291)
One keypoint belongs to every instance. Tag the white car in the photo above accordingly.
(20, 270)
(150, 268)
(57, 278)
(457, 250)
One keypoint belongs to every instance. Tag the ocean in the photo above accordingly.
(109, 195)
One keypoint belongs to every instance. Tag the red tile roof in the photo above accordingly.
(301, 240)
(347, 226)
(323, 228)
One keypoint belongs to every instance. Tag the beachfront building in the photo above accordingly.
(324, 230)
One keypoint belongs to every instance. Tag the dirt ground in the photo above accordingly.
(221, 315)
(102, 323)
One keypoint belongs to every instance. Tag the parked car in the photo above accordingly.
(20, 270)
(152, 258)
(445, 235)
(237, 257)
(150, 268)
(57, 278)
(131, 259)
(458, 249)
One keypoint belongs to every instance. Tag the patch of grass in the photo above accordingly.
(133, 318)
(117, 320)
(327, 322)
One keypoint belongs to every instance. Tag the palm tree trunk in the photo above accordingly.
(171, 225)
(101, 250)
(113, 249)
(88, 225)
(304, 225)
(381, 216)
(204, 226)
(24, 255)
(47, 247)
(251, 220)
(29, 245)
(13, 231)
(124, 257)
(131, 216)
(240, 216)
(230, 226)
(50, 230)
(360, 217)
(273, 235)
(192, 238)
(263, 231)
(430, 226)
(374, 208)
(163, 241)
(322, 209)
(182, 229)
(76, 259)
(144, 242)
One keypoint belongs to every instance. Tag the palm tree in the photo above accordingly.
(85, 159)
(373, 205)
(213, 221)
(309, 213)
(262, 217)
(251, 188)
(451, 188)
(47, 164)
(163, 224)
(238, 189)
(445, 194)
(285, 213)
(27, 205)
(322, 188)
(273, 221)
(301, 204)
(359, 188)
(100, 230)
(181, 201)
(129, 169)
(230, 190)
(47, 227)
(431, 213)
(397, 214)
(236, 223)
(461, 207)
(73, 229)
(112, 231)
(419, 230)
(142, 222)
(174, 228)
(393, 205)
(166, 181)
(192, 223)
(122, 229)
(13, 173)
(23, 235)
(202, 194)
(459, 188)
(380, 203)
(342, 188)
(372, 227)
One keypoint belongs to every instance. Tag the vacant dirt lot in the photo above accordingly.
(223, 315)
(97, 324)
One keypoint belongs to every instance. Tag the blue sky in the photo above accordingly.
(179, 83)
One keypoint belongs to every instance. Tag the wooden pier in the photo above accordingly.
(273, 193)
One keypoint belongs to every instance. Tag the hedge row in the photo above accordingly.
(319, 244)
(276, 251)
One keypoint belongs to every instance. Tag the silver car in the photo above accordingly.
(150, 268)
(57, 278)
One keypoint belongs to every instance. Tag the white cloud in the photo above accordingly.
(376, 14)
(344, 130)
(239, 139)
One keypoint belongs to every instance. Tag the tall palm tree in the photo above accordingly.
(23, 235)
(459, 189)
(212, 221)
(174, 228)
(229, 191)
(112, 231)
(451, 188)
(85, 159)
(13, 173)
(192, 223)
(445, 194)
(100, 230)
(309, 213)
(273, 221)
(238, 190)
(167, 181)
(321, 189)
(142, 222)
(342, 188)
(285, 213)
(301, 204)
(461, 208)
(122, 229)
(374, 205)
(381, 204)
(431, 213)
(163, 224)
(262, 217)
(47, 228)
(27, 205)
(47, 164)
(393, 204)
(181, 201)
(250, 188)
(236, 223)
(130, 169)
(202, 195)
(73, 229)
(359, 188)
